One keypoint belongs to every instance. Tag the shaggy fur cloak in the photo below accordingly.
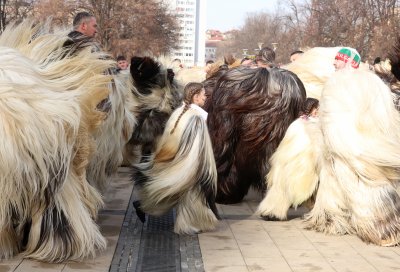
(115, 132)
(314, 68)
(158, 96)
(47, 117)
(181, 173)
(358, 169)
(293, 177)
(249, 114)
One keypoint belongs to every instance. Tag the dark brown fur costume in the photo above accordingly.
(158, 97)
(249, 114)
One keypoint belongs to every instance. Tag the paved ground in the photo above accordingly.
(242, 242)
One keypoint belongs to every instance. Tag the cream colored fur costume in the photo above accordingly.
(113, 135)
(359, 166)
(293, 177)
(48, 114)
(314, 68)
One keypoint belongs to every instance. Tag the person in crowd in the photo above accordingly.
(176, 65)
(84, 24)
(266, 58)
(295, 54)
(181, 173)
(209, 64)
(123, 65)
(347, 57)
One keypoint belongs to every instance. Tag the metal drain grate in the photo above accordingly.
(154, 247)
(159, 250)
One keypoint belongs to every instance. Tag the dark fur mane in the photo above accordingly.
(210, 83)
(144, 72)
(249, 114)
(394, 57)
(150, 78)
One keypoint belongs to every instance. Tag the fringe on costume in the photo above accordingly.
(249, 113)
(181, 173)
(314, 68)
(113, 135)
(294, 173)
(359, 178)
(158, 95)
(48, 114)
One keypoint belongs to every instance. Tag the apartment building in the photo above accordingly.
(192, 19)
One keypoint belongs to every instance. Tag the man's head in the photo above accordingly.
(294, 55)
(122, 63)
(85, 23)
(347, 57)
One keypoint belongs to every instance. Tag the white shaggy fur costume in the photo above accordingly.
(181, 173)
(358, 162)
(112, 136)
(48, 114)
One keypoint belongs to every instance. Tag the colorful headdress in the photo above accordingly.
(348, 54)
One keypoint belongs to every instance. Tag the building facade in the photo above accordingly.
(192, 19)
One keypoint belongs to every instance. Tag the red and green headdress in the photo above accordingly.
(348, 54)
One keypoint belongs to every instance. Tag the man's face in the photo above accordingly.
(122, 64)
(89, 28)
(339, 64)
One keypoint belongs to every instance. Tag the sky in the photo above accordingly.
(225, 15)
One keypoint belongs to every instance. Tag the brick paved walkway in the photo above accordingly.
(242, 242)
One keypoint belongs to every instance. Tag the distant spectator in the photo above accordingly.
(266, 57)
(295, 54)
(209, 62)
(176, 65)
(83, 33)
(123, 65)
(85, 24)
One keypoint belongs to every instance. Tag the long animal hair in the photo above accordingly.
(158, 96)
(248, 117)
(294, 173)
(359, 178)
(112, 136)
(394, 57)
(383, 70)
(48, 115)
(314, 68)
(211, 82)
(193, 74)
(181, 173)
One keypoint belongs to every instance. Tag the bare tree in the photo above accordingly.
(3, 15)
(11, 10)
(370, 26)
(125, 27)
